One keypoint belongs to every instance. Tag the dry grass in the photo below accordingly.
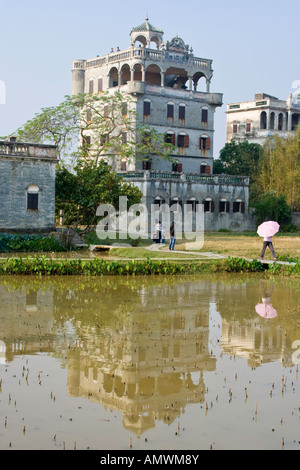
(250, 245)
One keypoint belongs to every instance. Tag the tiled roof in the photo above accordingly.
(146, 27)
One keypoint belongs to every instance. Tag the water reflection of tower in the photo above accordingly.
(26, 325)
(150, 364)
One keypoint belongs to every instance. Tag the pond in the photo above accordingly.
(143, 363)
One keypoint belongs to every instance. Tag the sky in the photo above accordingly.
(254, 47)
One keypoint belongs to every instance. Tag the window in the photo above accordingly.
(177, 167)
(100, 84)
(280, 122)
(192, 205)
(123, 165)
(224, 205)
(86, 141)
(248, 127)
(204, 143)
(146, 165)
(234, 128)
(91, 86)
(238, 206)
(183, 140)
(124, 109)
(104, 139)
(263, 120)
(209, 205)
(170, 110)
(204, 115)
(170, 138)
(181, 112)
(124, 138)
(204, 169)
(147, 105)
(33, 198)
(158, 202)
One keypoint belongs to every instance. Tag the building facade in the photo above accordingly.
(27, 187)
(170, 89)
(164, 82)
(262, 117)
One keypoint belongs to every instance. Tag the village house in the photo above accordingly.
(27, 187)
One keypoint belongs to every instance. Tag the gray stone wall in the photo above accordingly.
(16, 175)
(187, 187)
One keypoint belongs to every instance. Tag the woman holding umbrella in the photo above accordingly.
(267, 230)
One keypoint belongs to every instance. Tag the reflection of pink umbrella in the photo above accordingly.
(266, 310)
(268, 229)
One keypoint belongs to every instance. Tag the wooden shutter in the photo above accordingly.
(179, 167)
(91, 86)
(207, 143)
(242, 207)
(173, 139)
(100, 84)
(181, 113)
(204, 115)
(170, 111)
(32, 201)
(186, 141)
(207, 170)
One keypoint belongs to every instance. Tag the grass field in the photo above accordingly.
(246, 245)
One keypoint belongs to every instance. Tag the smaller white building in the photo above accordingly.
(261, 118)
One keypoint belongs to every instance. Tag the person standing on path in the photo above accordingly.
(172, 237)
(268, 242)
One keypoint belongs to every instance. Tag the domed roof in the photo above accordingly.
(146, 27)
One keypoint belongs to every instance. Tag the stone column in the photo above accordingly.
(162, 79)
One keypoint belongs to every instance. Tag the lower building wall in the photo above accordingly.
(168, 191)
(16, 176)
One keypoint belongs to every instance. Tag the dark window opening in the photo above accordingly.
(182, 140)
(170, 138)
(177, 167)
(204, 115)
(124, 138)
(32, 201)
(147, 108)
(209, 205)
(146, 165)
(91, 86)
(181, 113)
(204, 169)
(170, 111)
(238, 206)
(224, 206)
(123, 166)
(192, 205)
(100, 84)
(248, 127)
(234, 128)
(204, 143)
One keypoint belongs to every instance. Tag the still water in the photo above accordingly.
(149, 363)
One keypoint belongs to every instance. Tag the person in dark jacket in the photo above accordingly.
(172, 237)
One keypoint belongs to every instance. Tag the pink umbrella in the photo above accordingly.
(266, 310)
(268, 229)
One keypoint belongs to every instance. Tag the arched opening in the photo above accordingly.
(140, 41)
(153, 75)
(272, 121)
(199, 81)
(155, 41)
(113, 77)
(208, 204)
(125, 74)
(176, 78)
(280, 122)
(137, 73)
(263, 120)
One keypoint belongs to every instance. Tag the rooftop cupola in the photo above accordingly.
(145, 34)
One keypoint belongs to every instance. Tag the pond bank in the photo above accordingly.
(98, 266)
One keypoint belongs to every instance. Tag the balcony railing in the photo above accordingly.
(27, 150)
(189, 177)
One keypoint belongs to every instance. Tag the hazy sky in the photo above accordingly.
(254, 46)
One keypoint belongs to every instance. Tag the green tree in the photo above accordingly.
(270, 206)
(241, 158)
(279, 169)
(80, 192)
(94, 126)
